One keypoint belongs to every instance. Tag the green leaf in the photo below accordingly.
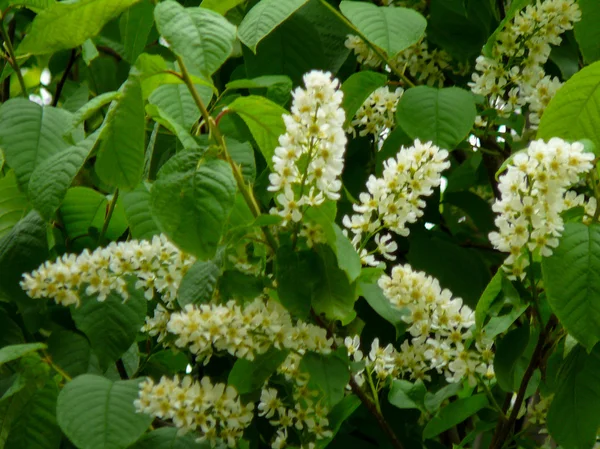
(515, 7)
(110, 325)
(261, 82)
(443, 116)
(221, 6)
(404, 394)
(14, 352)
(89, 52)
(248, 376)
(574, 415)
(13, 203)
(67, 25)
(265, 121)
(164, 119)
(120, 159)
(211, 34)
(433, 401)
(242, 154)
(509, 350)
(263, 18)
(198, 284)
(342, 411)
(329, 374)
(34, 5)
(380, 304)
(296, 273)
(586, 30)
(135, 25)
(177, 102)
(136, 205)
(347, 257)
(500, 324)
(572, 282)
(357, 89)
(573, 113)
(488, 296)
(96, 413)
(94, 105)
(454, 414)
(51, 179)
(192, 207)
(169, 438)
(71, 351)
(391, 29)
(30, 134)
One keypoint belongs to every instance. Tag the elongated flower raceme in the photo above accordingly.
(396, 199)
(377, 112)
(310, 157)
(534, 194)
(158, 266)
(214, 411)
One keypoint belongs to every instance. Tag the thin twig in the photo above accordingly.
(12, 59)
(63, 79)
(111, 209)
(121, 369)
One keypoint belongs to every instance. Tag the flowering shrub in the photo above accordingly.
(299, 224)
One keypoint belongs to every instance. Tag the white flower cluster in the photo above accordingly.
(310, 157)
(440, 329)
(533, 196)
(212, 410)
(514, 76)
(158, 266)
(377, 112)
(395, 199)
(243, 331)
(424, 64)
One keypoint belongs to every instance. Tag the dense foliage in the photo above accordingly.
(299, 223)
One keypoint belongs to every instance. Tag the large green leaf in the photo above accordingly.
(177, 101)
(454, 414)
(263, 18)
(162, 118)
(51, 179)
(574, 112)
(572, 282)
(443, 116)
(69, 24)
(198, 284)
(391, 29)
(404, 394)
(192, 206)
(13, 203)
(329, 374)
(297, 274)
(120, 160)
(71, 351)
(509, 350)
(110, 325)
(136, 205)
(30, 134)
(203, 38)
(34, 5)
(374, 296)
(587, 32)
(248, 376)
(574, 415)
(357, 89)
(96, 413)
(265, 121)
(169, 438)
(135, 25)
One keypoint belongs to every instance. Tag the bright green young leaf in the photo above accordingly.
(69, 24)
(51, 179)
(572, 282)
(71, 351)
(96, 413)
(135, 25)
(357, 89)
(14, 352)
(443, 116)
(391, 29)
(263, 18)
(211, 34)
(248, 376)
(328, 374)
(13, 203)
(110, 325)
(453, 414)
(120, 160)
(574, 415)
(30, 134)
(573, 113)
(191, 207)
(221, 6)
(265, 121)
(198, 284)
(34, 5)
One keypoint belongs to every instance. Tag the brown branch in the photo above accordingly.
(63, 79)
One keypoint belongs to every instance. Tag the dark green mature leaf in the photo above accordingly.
(488, 296)
(162, 118)
(96, 413)
(329, 374)
(377, 300)
(587, 32)
(260, 82)
(515, 7)
(265, 121)
(14, 352)
(30, 134)
(347, 257)
(51, 179)
(248, 376)
(13, 203)
(178, 103)
(169, 438)
(263, 18)
(509, 350)
(574, 415)
(297, 274)
(71, 351)
(198, 284)
(135, 25)
(136, 205)
(203, 38)
(242, 154)
(443, 116)
(67, 25)
(120, 159)
(110, 325)
(405, 394)
(192, 207)
(572, 282)
(573, 113)
(391, 29)
(454, 414)
(357, 89)
(94, 105)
